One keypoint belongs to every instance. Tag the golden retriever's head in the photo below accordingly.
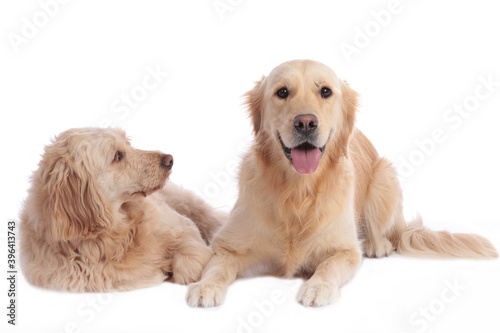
(304, 109)
(86, 174)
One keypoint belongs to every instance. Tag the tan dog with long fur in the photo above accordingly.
(99, 218)
(309, 186)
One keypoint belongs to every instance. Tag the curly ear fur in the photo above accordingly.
(350, 104)
(253, 101)
(74, 206)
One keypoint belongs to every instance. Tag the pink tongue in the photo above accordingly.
(305, 161)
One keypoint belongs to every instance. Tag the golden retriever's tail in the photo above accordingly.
(414, 239)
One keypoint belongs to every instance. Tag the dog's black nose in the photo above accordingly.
(167, 161)
(305, 123)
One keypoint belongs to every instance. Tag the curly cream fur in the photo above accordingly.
(94, 223)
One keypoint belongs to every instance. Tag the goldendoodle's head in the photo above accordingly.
(86, 174)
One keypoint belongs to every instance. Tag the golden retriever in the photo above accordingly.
(98, 218)
(314, 194)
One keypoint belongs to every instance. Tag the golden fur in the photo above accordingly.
(315, 225)
(98, 218)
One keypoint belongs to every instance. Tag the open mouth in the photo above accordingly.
(304, 157)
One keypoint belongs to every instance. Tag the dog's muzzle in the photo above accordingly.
(305, 155)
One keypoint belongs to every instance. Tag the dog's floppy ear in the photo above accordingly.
(253, 101)
(74, 206)
(350, 105)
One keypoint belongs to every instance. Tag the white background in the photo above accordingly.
(428, 57)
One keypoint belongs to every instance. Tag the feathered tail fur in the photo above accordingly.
(417, 240)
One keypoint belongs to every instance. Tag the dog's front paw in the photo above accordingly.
(203, 294)
(187, 268)
(381, 248)
(317, 293)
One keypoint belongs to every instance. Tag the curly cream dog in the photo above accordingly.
(98, 218)
(310, 184)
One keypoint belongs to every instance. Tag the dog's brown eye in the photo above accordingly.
(118, 156)
(326, 92)
(282, 93)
